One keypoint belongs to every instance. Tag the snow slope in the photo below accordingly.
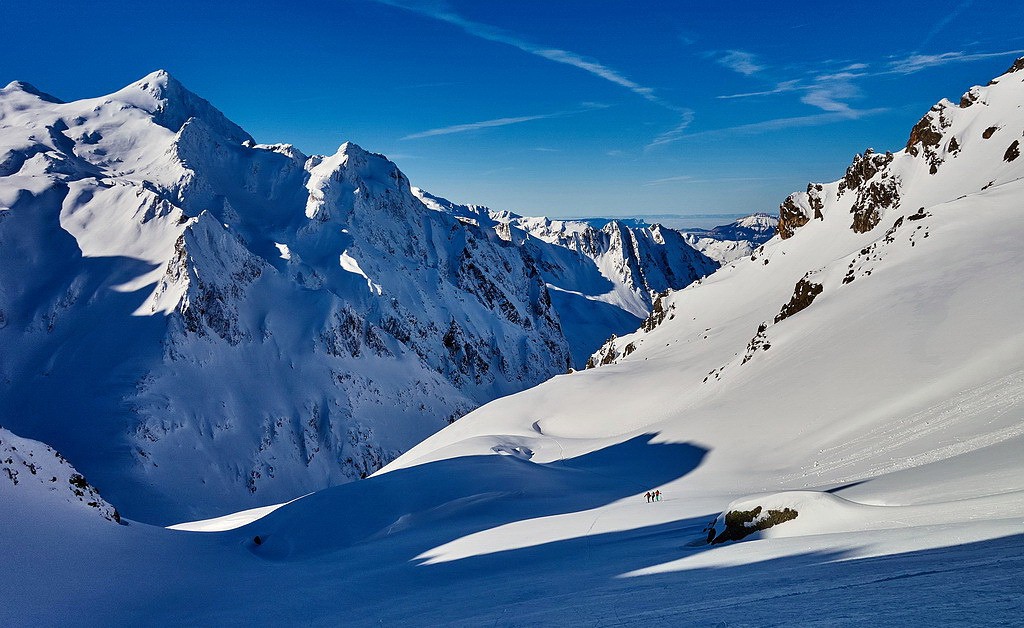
(34, 476)
(887, 410)
(837, 355)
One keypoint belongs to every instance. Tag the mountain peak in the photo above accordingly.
(172, 104)
(351, 149)
(158, 77)
(28, 88)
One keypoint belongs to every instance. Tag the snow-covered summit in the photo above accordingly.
(28, 88)
(171, 104)
(147, 242)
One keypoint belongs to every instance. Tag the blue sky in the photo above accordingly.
(563, 108)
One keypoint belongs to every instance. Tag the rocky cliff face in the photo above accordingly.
(972, 143)
(883, 203)
(203, 323)
(603, 280)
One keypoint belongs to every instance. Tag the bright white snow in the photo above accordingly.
(887, 412)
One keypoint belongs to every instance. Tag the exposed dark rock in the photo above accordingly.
(473, 280)
(803, 295)
(344, 336)
(815, 201)
(78, 480)
(891, 233)
(364, 456)
(791, 217)
(987, 133)
(1017, 66)
(759, 341)
(605, 355)
(797, 209)
(924, 133)
(16, 460)
(919, 215)
(926, 137)
(740, 524)
(968, 99)
(658, 313)
(863, 168)
(877, 196)
(1012, 151)
(467, 356)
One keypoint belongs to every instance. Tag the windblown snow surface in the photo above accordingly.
(865, 372)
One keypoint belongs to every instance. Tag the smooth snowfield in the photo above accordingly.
(408, 548)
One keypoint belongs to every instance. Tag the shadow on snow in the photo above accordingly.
(431, 504)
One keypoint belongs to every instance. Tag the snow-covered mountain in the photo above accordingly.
(835, 426)
(602, 279)
(877, 334)
(734, 240)
(202, 322)
(854, 387)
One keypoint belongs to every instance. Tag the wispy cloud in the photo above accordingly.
(499, 122)
(682, 177)
(832, 90)
(739, 61)
(778, 124)
(780, 88)
(945, 21)
(595, 68)
(687, 38)
(917, 62)
(685, 178)
(475, 126)
(829, 92)
(440, 11)
(676, 132)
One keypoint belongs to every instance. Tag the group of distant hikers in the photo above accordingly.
(653, 496)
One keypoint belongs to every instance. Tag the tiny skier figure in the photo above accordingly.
(648, 496)
(657, 495)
